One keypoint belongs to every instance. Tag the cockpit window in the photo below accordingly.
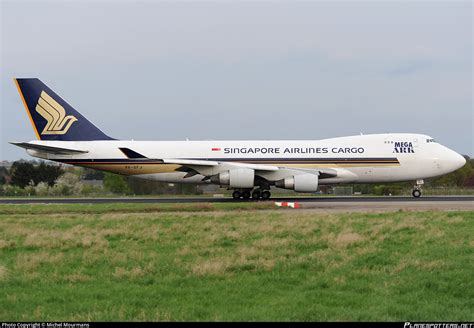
(430, 140)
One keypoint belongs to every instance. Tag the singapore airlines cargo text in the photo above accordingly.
(294, 150)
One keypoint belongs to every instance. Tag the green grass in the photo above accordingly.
(233, 262)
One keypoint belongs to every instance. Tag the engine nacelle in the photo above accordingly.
(300, 183)
(236, 178)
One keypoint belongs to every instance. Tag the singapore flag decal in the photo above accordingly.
(216, 149)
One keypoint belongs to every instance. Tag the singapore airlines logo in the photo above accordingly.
(54, 114)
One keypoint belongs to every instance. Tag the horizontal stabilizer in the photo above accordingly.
(49, 149)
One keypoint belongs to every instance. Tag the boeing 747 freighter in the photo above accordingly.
(249, 168)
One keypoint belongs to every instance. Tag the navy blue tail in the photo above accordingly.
(52, 117)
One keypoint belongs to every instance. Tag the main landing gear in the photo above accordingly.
(417, 189)
(255, 194)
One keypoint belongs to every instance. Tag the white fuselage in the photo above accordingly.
(357, 159)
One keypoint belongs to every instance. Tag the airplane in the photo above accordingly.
(249, 168)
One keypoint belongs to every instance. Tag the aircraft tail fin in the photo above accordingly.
(52, 117)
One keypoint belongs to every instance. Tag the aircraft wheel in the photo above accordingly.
(236, 194)
(266, 194)
(246, 194)
(416, 193)
(256, 194)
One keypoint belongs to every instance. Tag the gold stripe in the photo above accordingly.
(27, 110)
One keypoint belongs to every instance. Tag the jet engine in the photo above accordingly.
(300, 183)
(235, 178)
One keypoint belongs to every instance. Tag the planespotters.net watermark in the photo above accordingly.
(45, 325)
(438, 325)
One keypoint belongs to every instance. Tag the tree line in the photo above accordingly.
(30, 178)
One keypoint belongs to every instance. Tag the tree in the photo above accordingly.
(3, 175)
(457, 178)
(116, 183)
(47, 173)
(26, 173)
(89, 174)
(22, 174)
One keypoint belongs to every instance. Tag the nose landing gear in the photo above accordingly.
(417, 189)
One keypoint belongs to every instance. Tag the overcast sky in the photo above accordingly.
(244, 70)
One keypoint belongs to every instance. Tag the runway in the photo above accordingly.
(308, 199)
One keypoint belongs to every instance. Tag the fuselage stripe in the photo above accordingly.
(243, 160)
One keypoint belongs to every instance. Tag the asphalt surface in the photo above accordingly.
(437, 199)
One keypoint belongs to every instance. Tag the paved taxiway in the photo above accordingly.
(319, 204)
(392, 206)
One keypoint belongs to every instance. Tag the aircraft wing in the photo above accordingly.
(270, 172)
(49, 149)
(257, 167)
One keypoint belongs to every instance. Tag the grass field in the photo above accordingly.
(241, 261)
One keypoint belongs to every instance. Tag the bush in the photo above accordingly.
(30, 190)
(88, 190)
(116, 184)
(10, 190)
(42, 189)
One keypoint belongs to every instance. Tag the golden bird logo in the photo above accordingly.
(54, 114)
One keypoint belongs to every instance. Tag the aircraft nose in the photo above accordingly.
(457, 161)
